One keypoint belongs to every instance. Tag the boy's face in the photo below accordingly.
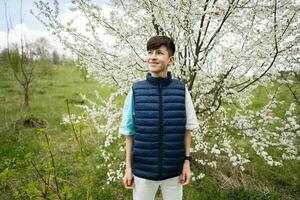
(158, 59)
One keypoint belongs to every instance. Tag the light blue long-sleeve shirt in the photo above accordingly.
(127, 124)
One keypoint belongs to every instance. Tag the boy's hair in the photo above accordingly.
(156, 42)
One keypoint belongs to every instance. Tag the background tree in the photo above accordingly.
(20, 60)
(55, 57)
(225, 50)
(3, 57)
(40, 49)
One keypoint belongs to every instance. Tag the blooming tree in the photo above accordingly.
(225, 49)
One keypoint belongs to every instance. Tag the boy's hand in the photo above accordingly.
(128, 179)
(186, 173)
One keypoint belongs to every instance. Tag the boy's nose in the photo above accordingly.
(152, 56)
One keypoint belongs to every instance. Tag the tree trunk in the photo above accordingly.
(26, 96)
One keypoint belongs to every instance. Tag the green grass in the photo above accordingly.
(48, 103)
(52, 86)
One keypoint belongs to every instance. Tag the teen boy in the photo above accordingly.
(158, 117)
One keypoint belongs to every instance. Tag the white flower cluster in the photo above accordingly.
(104, 115)
(235, 158)
(209, 163)
(290, 132)
(198, 177)
(198, 136)
(263, 138)
(114, 175)
(73, 119)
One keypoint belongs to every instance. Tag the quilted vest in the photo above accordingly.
(158, 145)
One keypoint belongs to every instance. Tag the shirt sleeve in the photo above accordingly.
(191, 118)
(127, 124)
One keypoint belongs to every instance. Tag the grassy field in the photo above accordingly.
(24, 151)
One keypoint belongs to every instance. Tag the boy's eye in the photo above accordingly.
(155, 52)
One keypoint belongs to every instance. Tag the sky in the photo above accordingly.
(32, 23)
(31, 27)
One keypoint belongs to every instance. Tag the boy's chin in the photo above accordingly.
(154, 69)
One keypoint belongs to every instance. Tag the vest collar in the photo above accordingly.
(156, 80)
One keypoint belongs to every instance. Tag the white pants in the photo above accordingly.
(146, 189)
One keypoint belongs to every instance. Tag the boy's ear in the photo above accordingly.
(172, 59)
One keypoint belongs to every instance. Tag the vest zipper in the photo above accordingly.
(160, 129)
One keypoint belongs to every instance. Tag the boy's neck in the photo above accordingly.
(162, 74)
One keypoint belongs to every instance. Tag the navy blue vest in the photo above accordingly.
(158, 146)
